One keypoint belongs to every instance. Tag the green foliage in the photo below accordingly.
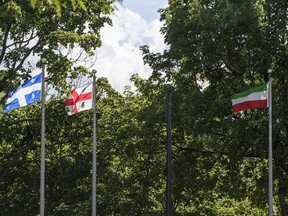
(58, 4)
(129, 175)
(217, 48)
(29, 33)
(75, 4)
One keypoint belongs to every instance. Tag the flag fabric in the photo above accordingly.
(253, 98)
(80, 100)
(25, 94)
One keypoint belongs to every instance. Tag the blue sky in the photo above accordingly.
(146, 8)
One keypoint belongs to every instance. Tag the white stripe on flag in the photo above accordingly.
(252, 97)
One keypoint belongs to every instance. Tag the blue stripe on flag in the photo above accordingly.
(10, 94)
(13, 105)
(25, 94)
(32, 81)
(33, 97)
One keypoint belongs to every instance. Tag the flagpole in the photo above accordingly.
(94, 145)
(270, 146)
(42, 175)
(169, 153)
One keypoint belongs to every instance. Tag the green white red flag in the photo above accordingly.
(253, 98)
(80, 100)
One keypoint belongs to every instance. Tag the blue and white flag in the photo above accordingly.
(25, 94)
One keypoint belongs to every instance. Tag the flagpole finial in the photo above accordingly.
(170, 88)
(43, 60)
(269, 71)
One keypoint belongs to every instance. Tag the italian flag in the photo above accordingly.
(253, 98)
(80, 100)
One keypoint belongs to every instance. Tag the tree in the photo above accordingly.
(28, 34)
(217, 48)
(75, 3)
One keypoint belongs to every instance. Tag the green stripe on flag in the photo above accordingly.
(260, 88)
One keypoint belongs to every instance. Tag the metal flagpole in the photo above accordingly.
(169, 153)
(270, 146)
(42, 175)
(94, 145)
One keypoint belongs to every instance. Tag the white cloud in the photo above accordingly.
(120, 57)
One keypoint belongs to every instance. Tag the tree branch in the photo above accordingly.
(4, 45)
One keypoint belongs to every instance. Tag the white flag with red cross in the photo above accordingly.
(80, 100)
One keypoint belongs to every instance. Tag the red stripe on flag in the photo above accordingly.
(250, 105)
(83, 97)
(69, 102)
(77, 98)
(74, 96)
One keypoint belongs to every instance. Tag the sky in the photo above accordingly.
(135, 23)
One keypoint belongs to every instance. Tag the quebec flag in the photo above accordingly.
(25, 94)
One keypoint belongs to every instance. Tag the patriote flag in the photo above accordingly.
(80, 100)
(253, 98)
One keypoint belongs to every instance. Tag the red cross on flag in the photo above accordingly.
(80, 100)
